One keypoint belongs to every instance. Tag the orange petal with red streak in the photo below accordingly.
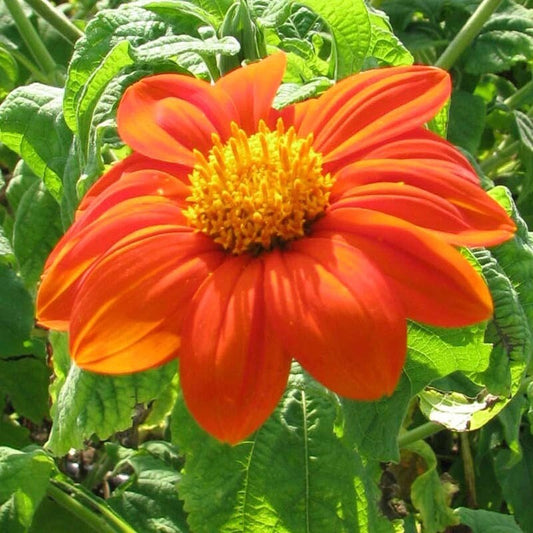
(233, 369)
(435, 283)
(336, 315)
(129, 308)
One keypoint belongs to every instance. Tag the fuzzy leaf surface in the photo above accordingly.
(90, 404)
(278, 479)
(24, 115)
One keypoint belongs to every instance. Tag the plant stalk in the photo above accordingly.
(56, 19)
(469, 32)
(521, 96)
(500, 157)
(32, 40)
(421, 432)
(97, 516)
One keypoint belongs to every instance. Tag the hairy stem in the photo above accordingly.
(56, 19)
(32, 40)
(469, 32)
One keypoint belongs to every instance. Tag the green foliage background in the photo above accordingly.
(79, 451)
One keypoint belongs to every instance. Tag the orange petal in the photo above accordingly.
(140, 200)
(252, 90)
(337, 316)
(435, 283)
(421, 144)
(371, 107)
(166, 115)
(130, 306)
(233, 370)
(435, 194)
(130, 164)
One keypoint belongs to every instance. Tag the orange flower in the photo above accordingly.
(237, 237)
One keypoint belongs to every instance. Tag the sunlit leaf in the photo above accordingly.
(90, 404)
(277, 480)
(23, 481)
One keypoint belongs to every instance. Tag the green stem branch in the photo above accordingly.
(32, 40)
(421, 432)
(97, 516)
(522, 96)
(56, 19)
(501, 157)
(469, 32)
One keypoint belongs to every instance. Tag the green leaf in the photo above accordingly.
(23, 481)
(432, 354)
(427, 492)
(457, 411)
(508, 330)
(102, 52)
(516, 480)
(36, 231)
(23, 178)
(16, 314)
(524, 124)
(13, 435)
(290, 93)
(9, 72)
(6, 251)
(384, 46)
(505, 39)
(149, 500)
(516, 256)
(90, 404)
(349, 22)
(481, 521)
(467, 120)
(24, 115)
(30, 400)
(293, 475)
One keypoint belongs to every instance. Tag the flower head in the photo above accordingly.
(237, 237)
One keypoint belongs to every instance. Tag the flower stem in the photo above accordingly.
(521, 96)
(99, 517)
(56, 19)
(32, 40)
(469, 32)
(419, 433)
(501, 157)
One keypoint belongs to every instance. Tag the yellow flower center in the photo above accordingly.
(253, 193)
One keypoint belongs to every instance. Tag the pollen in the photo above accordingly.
(253, 193)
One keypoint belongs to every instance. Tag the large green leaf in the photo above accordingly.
(293, 475)
(149, 499)
(481, 521)
(106, 48)
(467, 120)
(349, 22)
(23, 481)
(516, 480)
(24, 115)
(31, 399)
(385, 47)
(36, 231)
(89, 403)
(16, 314)
(428, 494)
(432, 354)
(505, 39)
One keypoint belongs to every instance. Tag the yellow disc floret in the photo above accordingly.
(256, 192)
